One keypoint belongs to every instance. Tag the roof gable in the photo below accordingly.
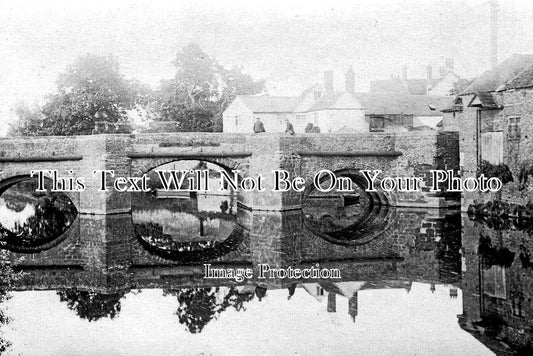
(484, 100)
(307, 98)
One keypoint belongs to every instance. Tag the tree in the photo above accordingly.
(92, 89)
(30, 121)
(92, 305)
(8, 279)
(198, 306)
(201, 90)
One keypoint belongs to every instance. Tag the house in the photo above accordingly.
(324, 109)
(401, 112)
(319, 106)
(441, 86)
(494, 117)
(272, 110)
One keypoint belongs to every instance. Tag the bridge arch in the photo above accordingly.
(189, 253)
(142, 166)
(373, 220)
(20, 243)
(10, 181)
(378, 197)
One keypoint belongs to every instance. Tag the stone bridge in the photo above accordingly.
(400, 154)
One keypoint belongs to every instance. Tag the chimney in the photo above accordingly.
(349, 80)
(449, 64)
(352, 306)
(429, 71)
(442, 72)
(328, 81)
(493, 33)
(332, 303)
(404, 72)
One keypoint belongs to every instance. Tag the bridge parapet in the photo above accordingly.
(400, 154)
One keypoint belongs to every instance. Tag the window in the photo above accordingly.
(458, 104)
(513, 128)
(318, 95)
(236, 121)
(378, 122)
(319, 291)
(315, 118)
(494, 282)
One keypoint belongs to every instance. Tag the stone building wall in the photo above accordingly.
(517, 149)
(497, 282)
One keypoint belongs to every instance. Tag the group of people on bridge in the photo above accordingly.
(259, 127)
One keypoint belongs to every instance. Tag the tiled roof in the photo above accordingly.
(513, 73)
(341, 100)
(390, 104)
(392, 85)
(269, 104)
(325, 102)
(400, 86)
(417, 86)
(373, 103)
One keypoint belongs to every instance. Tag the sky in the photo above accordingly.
(288, 43)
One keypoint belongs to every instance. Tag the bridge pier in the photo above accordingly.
(103, 152)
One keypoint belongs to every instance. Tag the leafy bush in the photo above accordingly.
(500, 171)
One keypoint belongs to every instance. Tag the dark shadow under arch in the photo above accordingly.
(20, 244)
(224, 163)
(370, 224)
(196, 254)
(13, 242)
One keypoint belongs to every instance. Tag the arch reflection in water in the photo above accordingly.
(32, 221)
(345, 218)
(187, 227)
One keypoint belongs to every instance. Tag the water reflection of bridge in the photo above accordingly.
(102, 253)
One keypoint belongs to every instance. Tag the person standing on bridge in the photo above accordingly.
(289, 129)
(258, 126)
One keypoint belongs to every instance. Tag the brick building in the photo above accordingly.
(494, 119)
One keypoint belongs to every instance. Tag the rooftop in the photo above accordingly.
(373, 103)
(269, 104)
(390, 104)
(513, 73)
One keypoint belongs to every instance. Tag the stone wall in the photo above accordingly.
(497, 289)
(517, 150)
